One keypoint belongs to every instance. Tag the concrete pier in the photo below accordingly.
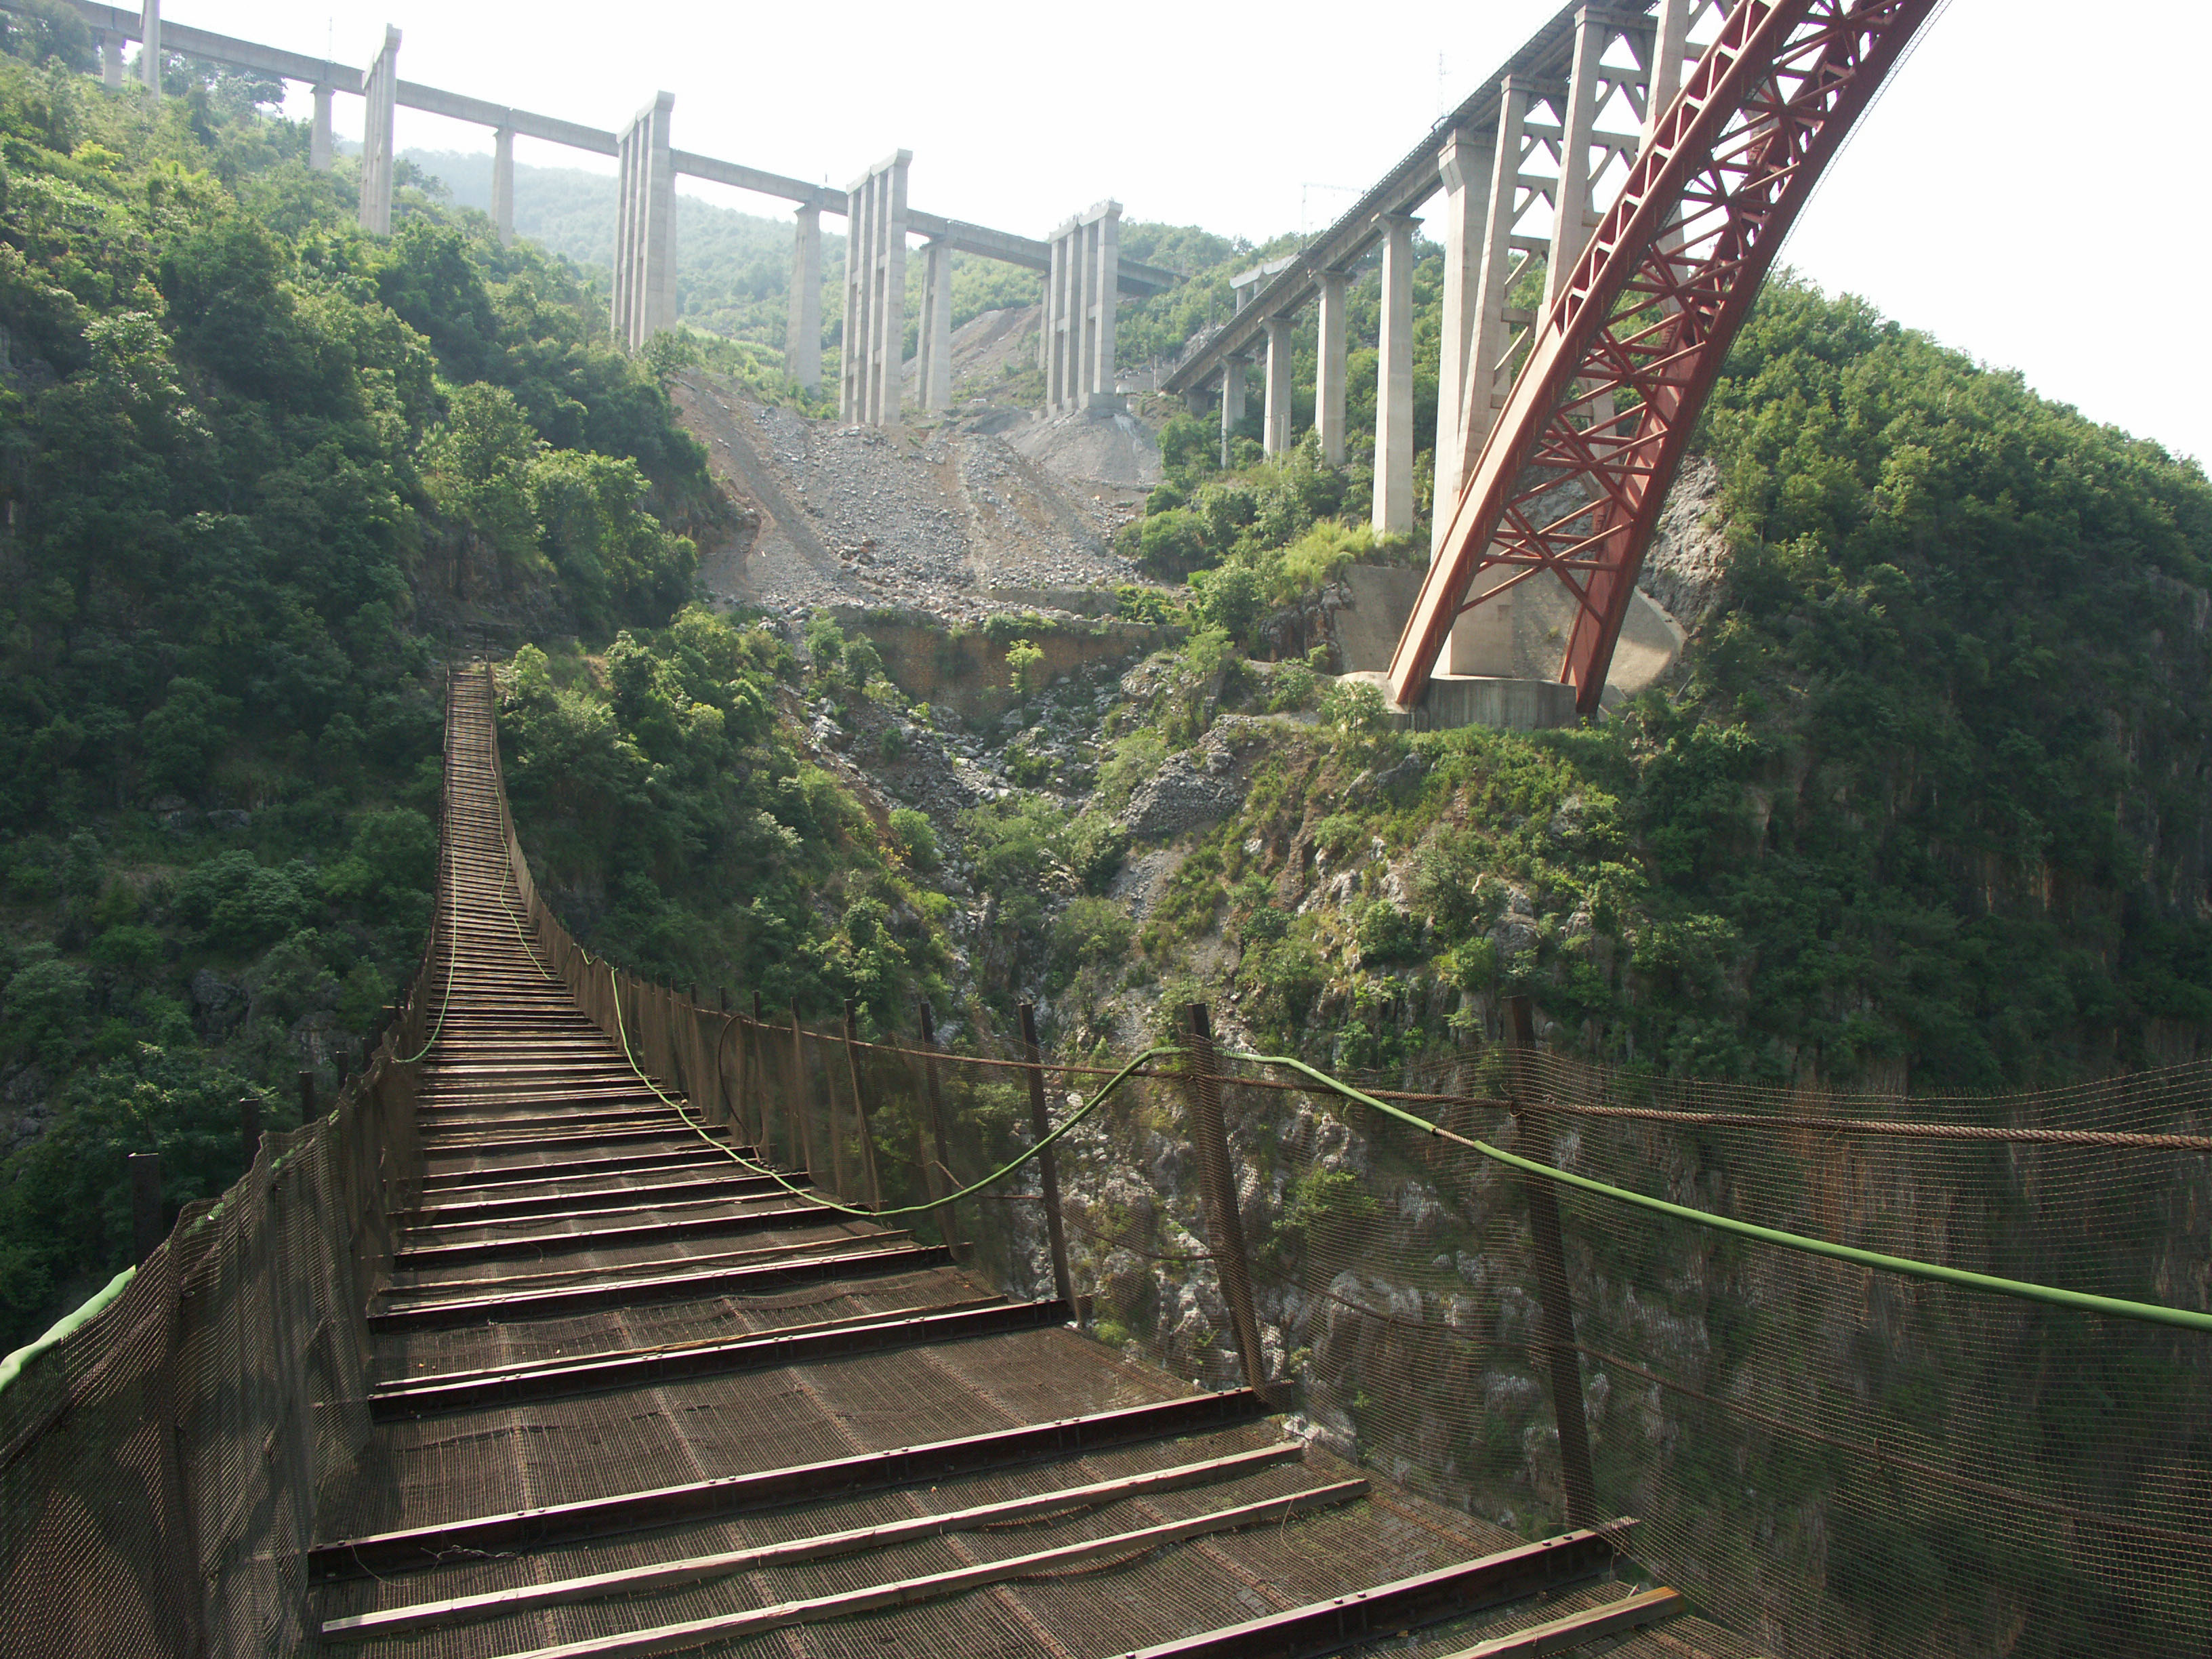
(108, 42)
(869, 382)
(1466, 167)
(932, 380)
(1487, 381)
(149, 47)
(802, 327)
(1081, 294)
(645, 228)
(380, 87)
(503, 184)
(1275, 429)
(1572, 219)
(1329, 368)
(319, 132)
(1232, 401)
(1393, 390)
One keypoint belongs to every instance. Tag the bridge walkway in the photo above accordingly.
(634, 1396)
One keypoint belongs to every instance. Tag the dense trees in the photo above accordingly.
(238, 441)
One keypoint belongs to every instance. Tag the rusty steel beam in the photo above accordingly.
(1575, 472)
(1428, 1598)
(415, 1547)
(697, 1569)
(666, 1287)
(594, 1201)
(456, 1148)
(411, 1259)
(417, 1396)
(567, 1169)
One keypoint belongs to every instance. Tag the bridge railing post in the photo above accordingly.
(1532, 1139)
(939, 1169)
(1055, 1229)
(860, 1105)
(1216, 1175)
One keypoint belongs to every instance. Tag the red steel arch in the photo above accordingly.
(1576, 470)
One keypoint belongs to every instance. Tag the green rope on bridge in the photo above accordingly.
(2078, 1301)
(813, 1195)
(452, 960)
(2049, 1294)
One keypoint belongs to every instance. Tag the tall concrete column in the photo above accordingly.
(1276, 426)
(1328, 369)
(1572, 221)
(1492, 337)
(1393, 388)
(852, 352)
(891, 277)
(1232, 401)
(319, 133)
(503, 184)
(1669, 50)
(1104, 223)
(802, 327)
(645, 228)
(380, 88)
(110, 45)
(1048, 330)
(932, 380)
(149, 47)
(875, 294)
(1466, 166)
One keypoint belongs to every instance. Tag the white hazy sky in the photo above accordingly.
(1942, 211)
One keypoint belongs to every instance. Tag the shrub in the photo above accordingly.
(915, 837)
(1025, 665)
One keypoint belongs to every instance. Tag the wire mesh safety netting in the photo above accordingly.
(1830, 1457)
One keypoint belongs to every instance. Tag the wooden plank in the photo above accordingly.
(905, 1592)
(414, 1547)
(1613, 1618)
(668, 1574)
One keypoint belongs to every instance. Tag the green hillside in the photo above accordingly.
(264, 477)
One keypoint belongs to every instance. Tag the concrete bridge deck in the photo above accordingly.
(634, 1397)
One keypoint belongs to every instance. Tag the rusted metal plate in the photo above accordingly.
(420, 1396)
(664, 1287)
(418, 1547)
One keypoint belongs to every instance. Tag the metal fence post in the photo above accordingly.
(1216, 1176)
(940, 1172)
(1532, 1138)
(805, 1140)
(860, 1104)
(249, 1126)
(1055, 1231)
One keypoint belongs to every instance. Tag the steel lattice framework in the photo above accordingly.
(1576, 470)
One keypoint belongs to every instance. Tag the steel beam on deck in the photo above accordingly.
(412, 1259)
(415, 1547)
(1428, 1598)
(595, 1200)
(417, 1396)
(566, 1299)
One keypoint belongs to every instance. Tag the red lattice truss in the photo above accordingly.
(1576, 470)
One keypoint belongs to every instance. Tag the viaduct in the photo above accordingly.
(1083, 272)
(1610, 200)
